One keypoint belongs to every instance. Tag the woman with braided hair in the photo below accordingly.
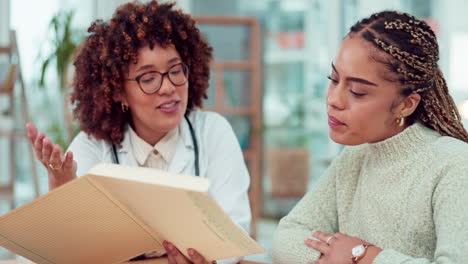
(398, 193)
(139, 80)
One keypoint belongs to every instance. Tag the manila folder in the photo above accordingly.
(115, 212)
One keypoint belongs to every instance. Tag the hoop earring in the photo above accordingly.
(124, 107)
(401, 121)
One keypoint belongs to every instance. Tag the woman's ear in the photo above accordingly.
(409, 105)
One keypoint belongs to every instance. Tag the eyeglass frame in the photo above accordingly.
(163, 74)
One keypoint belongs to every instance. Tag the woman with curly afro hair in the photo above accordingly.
(139, 80)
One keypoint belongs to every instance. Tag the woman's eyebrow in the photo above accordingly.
(148, 66)
(360, 80)
(175, 59)
(144, 67)
(356, 79)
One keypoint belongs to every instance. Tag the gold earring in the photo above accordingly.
(124, 107)
(401, 120)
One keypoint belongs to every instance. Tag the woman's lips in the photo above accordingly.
(333, 122)
(169, 107)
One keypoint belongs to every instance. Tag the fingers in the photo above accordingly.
(68, 162)
(324, 237)
(196, 257)
(46, 152)
(174, 254)
(38, 144)
(47, 147)
(32, 132)
(176, 257)
(171, 259)
(61, 168)
(50, 154)
(338, 235)
(320, 246)
(55, 160)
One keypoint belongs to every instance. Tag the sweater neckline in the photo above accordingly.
(403, 145)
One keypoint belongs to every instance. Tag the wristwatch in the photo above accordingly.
(359, 252)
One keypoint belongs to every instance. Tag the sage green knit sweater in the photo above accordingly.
(407, 195)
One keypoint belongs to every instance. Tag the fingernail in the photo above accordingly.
(190, 252)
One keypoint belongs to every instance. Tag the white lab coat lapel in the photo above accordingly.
(184, 155)
(125, 153)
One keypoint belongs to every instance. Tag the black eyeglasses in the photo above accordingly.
(151, 82)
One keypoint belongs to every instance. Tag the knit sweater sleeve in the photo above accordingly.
(450, 216)
(315, 211)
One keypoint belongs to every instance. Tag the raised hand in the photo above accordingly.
(61, 168)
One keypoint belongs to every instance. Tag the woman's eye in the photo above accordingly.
(148, 80)
(357, 94)
(174, 72)
(332, 80)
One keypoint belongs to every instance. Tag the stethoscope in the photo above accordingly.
(195, 148)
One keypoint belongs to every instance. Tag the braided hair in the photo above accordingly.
(414, 53)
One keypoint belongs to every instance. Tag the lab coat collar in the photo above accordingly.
(182, 156)
(184, 152)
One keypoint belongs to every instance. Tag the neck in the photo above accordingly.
(149, 136)
(395, 130)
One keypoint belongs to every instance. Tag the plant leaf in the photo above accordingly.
(44, 67)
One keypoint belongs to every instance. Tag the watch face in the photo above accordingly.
(357, 251)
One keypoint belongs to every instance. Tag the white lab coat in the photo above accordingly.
(220, 160)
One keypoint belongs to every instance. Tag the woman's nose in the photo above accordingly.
(334, 98)
(167, 87)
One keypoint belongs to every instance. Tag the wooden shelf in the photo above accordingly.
(253, 154)
(233, 65)
(13, 133)
(5, 50)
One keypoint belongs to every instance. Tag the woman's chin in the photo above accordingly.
(344, 139)
(171, 123)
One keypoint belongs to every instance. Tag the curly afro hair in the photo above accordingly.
(105, 55)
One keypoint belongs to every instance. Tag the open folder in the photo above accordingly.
(116, 212)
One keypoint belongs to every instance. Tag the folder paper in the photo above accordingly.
(115, 212)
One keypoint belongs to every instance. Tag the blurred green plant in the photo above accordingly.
(295, 123)
(64, 42)
(59, 51)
